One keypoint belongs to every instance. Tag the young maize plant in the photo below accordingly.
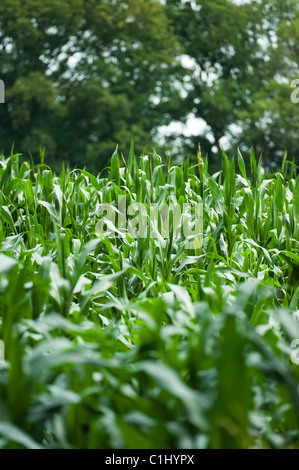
(128, 338)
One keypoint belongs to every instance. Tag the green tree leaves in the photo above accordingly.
(80, 77)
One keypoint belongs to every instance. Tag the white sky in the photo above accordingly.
(194, 126)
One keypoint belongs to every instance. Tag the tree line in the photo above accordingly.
(82, 76)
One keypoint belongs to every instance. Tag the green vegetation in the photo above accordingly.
(81, 75)
(244, 58)
(138, 343)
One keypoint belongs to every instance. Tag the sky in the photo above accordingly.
(194, 126)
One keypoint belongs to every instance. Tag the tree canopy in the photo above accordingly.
(83, 76)
(244, 56)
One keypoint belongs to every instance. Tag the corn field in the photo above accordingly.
(114, 342)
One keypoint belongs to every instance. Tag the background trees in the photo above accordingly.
(244, 58)
(83, 76)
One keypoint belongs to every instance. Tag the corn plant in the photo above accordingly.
(125, 341)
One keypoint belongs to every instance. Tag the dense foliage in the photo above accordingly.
(138, 343)
(82, 76)
(244, 56)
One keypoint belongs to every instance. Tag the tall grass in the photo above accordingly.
(123, 342)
